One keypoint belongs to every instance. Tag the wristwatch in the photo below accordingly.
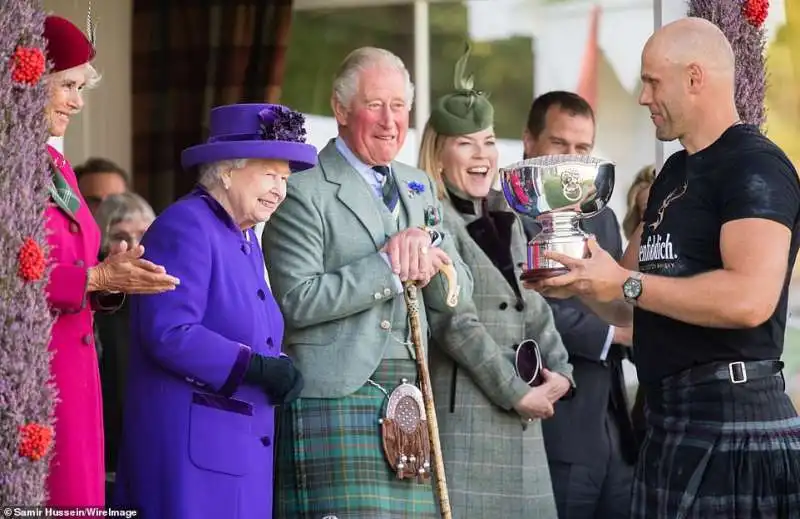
(632, 288)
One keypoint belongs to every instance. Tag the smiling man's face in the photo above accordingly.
(564, 133)
(375, 124)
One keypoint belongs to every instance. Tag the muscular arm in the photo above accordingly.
(294, 250)
(618, 312)
(758, 206)
(585, 334)
(743, 294)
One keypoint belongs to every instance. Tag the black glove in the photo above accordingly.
(297, 388)
(277, 376)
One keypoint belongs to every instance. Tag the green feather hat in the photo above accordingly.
(465, 110)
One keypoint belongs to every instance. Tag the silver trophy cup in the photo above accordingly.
(558, 191)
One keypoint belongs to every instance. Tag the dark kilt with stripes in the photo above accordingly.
(330, 462)
(719, 451)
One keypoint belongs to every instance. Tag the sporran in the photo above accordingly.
(404, 430)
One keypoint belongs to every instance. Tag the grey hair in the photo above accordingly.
(211, 173)
(91, 76)
(346, 83)
(119, 208)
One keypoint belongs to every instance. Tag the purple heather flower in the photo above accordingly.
(25, 319)
(748, 47)
(279, 123)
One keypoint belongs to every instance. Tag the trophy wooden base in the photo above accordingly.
(540, 274)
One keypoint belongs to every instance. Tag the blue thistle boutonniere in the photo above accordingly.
(415, 188)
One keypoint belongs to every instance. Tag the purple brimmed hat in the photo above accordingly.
(254, 131)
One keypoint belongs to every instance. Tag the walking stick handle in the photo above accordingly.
(453, 289)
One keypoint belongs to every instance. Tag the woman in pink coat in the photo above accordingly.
(79, 285)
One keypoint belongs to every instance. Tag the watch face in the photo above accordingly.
(632, 288)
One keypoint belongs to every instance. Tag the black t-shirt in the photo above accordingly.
(741, 175)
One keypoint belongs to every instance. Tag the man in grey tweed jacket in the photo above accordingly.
(349, 231)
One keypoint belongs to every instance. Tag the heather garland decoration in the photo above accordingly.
(26, 396)
(742, 22)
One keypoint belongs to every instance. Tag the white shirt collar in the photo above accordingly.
(351, 158)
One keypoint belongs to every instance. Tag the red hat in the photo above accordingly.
(67, 46)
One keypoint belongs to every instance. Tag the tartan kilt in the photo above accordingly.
(330, 461)
(719, 451)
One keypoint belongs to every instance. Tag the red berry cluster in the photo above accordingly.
(756, 11)
(34, 441)
(28, 66)
(31, 261)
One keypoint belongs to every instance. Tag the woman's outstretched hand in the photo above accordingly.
(127, 272)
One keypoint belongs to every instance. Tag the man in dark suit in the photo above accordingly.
(590, 444)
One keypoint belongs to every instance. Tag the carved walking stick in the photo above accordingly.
(412, 303)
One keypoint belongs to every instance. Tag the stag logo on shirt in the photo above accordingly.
(657, 248)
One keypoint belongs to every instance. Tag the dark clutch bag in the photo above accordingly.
(528, 362)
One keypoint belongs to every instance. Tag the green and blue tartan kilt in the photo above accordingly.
(719, 451)
(330, 463)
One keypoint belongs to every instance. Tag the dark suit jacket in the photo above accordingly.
(576, 434)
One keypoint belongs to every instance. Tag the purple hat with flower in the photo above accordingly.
(254, 131)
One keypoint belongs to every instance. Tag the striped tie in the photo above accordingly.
(388, 186)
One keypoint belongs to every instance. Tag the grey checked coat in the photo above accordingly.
(494, 468)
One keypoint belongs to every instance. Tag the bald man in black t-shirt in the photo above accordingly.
(705, 280)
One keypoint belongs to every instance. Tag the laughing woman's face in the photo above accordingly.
(469, 162)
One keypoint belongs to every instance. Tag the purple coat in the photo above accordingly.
(196, 441)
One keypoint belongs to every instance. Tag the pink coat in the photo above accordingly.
(77, 474)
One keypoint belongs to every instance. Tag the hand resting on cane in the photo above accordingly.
(412, 258)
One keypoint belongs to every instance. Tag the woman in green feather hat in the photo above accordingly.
(495, 461)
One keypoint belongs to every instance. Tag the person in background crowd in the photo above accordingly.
(123, 219)
(590, 442)
(78, 284)
(637, 202)
(99, 178)
(705, 283)
(205, 368)
(502, 470)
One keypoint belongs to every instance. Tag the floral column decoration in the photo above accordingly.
(26, 395)
(742, 21)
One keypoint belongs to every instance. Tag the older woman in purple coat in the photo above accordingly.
(206, 368)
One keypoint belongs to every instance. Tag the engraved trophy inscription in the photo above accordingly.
(558, 191)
